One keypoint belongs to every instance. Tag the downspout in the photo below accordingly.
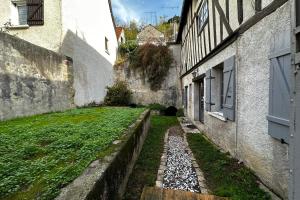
(236, 99)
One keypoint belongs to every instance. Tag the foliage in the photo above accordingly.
(180, 112)
(157, 107)
(118, 95)
(175, 19)
(41, 154)
(131, 31)
(120, 61)
(128, 47)
(146, 167)
(224, 175)
(166, 29)
(153, 62)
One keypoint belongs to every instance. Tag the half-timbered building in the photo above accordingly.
(236, 80)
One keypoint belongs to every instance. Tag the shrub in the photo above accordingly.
(153, 62)
(118, 95)
(180, 113)
(157, 107)
(127, 48)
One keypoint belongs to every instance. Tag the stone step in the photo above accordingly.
(155, 193)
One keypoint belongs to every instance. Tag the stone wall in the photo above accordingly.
(33, 80)
(168, 95)
(104, 178)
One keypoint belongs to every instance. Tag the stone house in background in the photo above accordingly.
(149, 34)
(81, 30)
(235, 77)
(120, 32)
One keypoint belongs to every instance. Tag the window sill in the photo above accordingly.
(18, 27)
(218, 115)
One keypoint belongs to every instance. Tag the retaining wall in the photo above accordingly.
(169, 94)
(33, 80)
(107, 178)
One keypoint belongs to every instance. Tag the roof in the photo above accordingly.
(184, 12)
(111, 12)
(150, 34)
(119, 31)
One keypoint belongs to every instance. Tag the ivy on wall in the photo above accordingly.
(153, 62)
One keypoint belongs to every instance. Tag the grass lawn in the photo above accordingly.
(224, 176)
(41, 154)
(146, 167)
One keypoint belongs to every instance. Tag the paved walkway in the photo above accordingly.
(179, 172)
(178, 169)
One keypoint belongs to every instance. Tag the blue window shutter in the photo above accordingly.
(279, 100)
(229, 89)
(208, 90)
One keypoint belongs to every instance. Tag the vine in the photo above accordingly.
(153, 62)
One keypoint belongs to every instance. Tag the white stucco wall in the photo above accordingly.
(47, 35)
(85, 26)
(77, 29)
(247, 137)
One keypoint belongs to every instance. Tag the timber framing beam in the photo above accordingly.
(235, 34)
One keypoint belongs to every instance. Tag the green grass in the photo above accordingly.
(146, 167)
(41, 154)
(224, 176)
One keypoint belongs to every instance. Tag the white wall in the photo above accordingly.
(85, 26)
(247, 137)
(47, 35)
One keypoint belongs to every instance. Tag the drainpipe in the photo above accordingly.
(237, 96)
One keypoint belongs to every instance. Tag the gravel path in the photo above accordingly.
(179, 173)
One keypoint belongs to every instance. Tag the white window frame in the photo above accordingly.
(15, 17)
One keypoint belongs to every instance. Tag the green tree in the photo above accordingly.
(131, 30)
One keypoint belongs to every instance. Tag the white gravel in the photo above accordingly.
(179, 173)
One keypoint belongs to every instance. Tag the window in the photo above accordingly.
(220, 89)
(19, 13)
(186, 97)
(202, 16)
(106, 45)
(22, 10)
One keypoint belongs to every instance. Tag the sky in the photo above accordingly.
(145, 11)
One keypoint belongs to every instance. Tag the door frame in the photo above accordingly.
(197, 100)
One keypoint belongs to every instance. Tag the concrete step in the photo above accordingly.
(155, 193)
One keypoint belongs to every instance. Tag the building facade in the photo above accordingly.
(149, 34)
(83, 31)
(235, 76)
(120, 35)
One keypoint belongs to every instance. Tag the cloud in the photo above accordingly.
(124, 12)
